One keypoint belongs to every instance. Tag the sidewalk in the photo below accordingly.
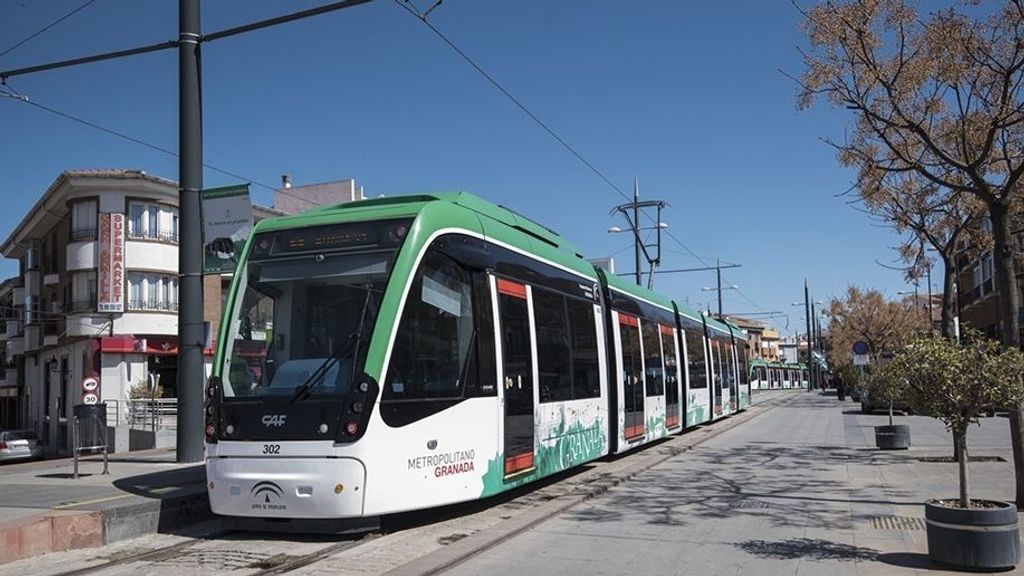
(799, 490)
(43, 509)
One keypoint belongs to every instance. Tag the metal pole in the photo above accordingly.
(190, 282)
(807, 312)
(929, 269)
(636, 229)
(718, 272)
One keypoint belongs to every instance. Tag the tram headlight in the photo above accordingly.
(352, 428)
(364, 386)
(357, 407)
(210, 431)
(211, 387)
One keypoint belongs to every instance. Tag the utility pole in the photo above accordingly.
(636, 230)
(718, 273)
(190, 282)
(631, 210)
(810, 363)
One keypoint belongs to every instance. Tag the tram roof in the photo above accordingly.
(525, 231)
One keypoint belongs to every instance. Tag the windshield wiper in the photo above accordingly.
(302, 390)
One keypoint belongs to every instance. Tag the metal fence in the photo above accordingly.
(144, 414)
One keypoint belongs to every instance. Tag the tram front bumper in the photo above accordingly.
(286, 487)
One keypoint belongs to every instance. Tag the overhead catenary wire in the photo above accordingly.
(152, 146)
(411, 9)
(45, 28)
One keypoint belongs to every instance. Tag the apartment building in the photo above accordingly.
(96, 296)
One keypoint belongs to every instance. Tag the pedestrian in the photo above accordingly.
(840, 386)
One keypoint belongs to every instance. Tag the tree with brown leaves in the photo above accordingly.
(938, 95)
(866, 316)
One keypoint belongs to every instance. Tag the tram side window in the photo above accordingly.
(652, 359)
(695, 359)
(566, 347)
(435, 336)
(586, 370)
(553, 356)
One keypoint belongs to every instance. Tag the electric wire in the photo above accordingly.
(155, 147)
(411, 9)
(47, 27)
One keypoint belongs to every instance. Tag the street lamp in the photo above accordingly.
(639, 246)
(719, 290)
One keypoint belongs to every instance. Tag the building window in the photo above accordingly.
(83, 291)
(83, 220)
(147, 221)
(156, 292)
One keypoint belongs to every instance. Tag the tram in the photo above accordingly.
(402, 353)
(766, 375)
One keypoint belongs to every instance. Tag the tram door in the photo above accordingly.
(717, 375)
(517, 353)
(632, 377)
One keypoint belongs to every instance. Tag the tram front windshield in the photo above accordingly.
(301, 325)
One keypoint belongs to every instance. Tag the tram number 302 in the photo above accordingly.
(271, 448)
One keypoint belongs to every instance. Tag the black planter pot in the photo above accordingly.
(976, 538)
(896, 437)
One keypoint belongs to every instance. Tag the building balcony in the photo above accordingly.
(15, 328)
(81, 255)
(151, 256)
(85, 306)
(84, 234)
(15, 347)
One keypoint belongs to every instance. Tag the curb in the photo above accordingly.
(458, 552)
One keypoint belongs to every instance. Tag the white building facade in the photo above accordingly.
(96, 297)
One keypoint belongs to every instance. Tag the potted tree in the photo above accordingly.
(888, 388)
(956, 383)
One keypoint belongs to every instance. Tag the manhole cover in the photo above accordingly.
(897, 523)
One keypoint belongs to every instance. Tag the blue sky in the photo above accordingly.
(686, 97)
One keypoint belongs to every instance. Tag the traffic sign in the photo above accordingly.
(861, 359)
(90, 384)
(90, 398)
(860, 347)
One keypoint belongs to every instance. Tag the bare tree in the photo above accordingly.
(937, 95)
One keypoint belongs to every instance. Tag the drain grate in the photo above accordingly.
(897, 523)
(750, 504)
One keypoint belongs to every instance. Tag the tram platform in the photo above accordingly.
(43, 508)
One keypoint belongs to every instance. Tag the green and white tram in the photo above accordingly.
(402, 353)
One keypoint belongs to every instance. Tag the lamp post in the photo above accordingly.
(637, 244)
(719, 289)
(631, 210)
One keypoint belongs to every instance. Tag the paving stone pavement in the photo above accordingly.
(801, 490)
(797, 488)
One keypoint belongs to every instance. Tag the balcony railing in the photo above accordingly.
(159, 235)
(87, 305)
(83, 234)
(152, 306)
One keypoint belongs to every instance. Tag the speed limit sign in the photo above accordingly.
(90, 398)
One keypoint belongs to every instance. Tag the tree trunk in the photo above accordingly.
(1006, 283)
(948, 302)
(961, 441)
(890, 412)
(956, 451)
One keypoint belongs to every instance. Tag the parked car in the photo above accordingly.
(20, 445)
(867, 405)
